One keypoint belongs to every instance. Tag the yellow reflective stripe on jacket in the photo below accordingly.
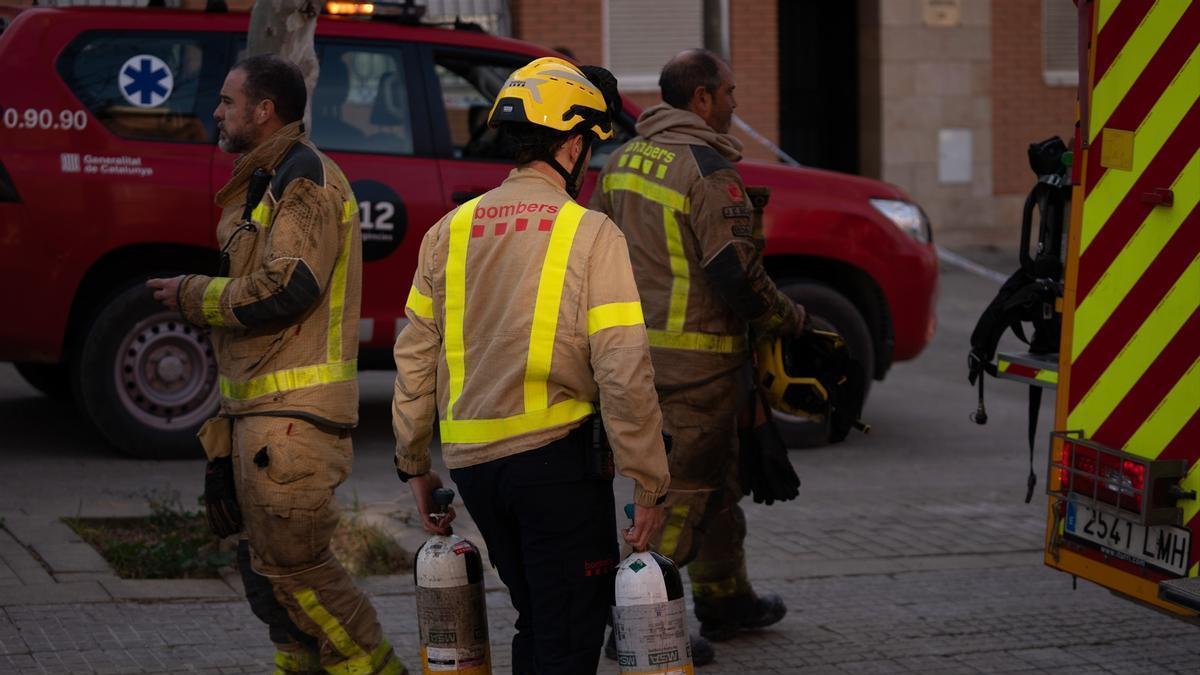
(491, 430)
(655, 192)
(614, 314)
(289, 379)
(419, 303)
(210, 305)
(700, 342)
(381, 661)
(261, 214)
(681, 281)
(672, 201)
(546, 306)
(329, 624)
(349, 208)
(337, 301)
(456, 300)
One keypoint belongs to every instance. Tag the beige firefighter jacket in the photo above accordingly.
(523, 314)
(284, 315)
(691, 229)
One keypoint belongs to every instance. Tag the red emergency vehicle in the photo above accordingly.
(108, 166)
(1123, 506)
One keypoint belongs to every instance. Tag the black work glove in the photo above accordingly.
(766, 472)
(220, 498)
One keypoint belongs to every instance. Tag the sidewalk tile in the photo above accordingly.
(168, 589)
(18, 560)
(50, 594)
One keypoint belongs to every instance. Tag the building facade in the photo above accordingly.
(940, 97)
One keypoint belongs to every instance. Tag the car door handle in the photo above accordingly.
(464, 196)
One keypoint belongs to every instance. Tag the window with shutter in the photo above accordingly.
(494, 16)
(1060, 39)
(641, 36)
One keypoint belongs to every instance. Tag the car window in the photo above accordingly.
(145, 86)
(361, 100)
(468, 89)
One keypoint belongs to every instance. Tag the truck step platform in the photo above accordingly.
(1039, 370)
(1185, 592)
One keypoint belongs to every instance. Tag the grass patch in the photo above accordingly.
(175, 543)
(171, 543)
(366, 550)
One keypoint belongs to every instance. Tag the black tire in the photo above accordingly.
(827, 309)
(146, 378)
(52, 379)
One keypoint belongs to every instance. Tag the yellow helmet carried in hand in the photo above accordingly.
(814, 376)
(552, 93)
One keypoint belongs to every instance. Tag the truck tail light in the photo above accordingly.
(1092, 473)
(1106, 477)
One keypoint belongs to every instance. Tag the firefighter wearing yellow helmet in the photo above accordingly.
(526, 343)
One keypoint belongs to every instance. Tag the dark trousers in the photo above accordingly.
(551, 532)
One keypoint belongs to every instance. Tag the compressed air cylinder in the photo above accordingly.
(650, 617)
(451, 614)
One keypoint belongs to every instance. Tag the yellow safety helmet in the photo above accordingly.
(813, 376)
(794, 393)
(552, 93)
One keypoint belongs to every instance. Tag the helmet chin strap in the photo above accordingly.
(574, 184)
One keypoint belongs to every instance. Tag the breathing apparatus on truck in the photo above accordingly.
(1032, 293)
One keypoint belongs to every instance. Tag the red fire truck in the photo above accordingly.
(108, 166)
(1123, 474)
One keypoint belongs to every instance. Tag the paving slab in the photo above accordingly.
(56, 544)
(169, 589)
(53, 594)
(20, 563)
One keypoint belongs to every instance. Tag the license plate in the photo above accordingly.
(1164, 547)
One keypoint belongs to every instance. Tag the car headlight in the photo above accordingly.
(905, 215)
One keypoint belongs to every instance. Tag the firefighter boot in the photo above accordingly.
(747, 613)
(702, 651)
(725, 601)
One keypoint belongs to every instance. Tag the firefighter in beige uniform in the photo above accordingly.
(675, 194)
(284, 318)
(524, 315)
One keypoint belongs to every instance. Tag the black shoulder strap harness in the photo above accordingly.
(1030, 294)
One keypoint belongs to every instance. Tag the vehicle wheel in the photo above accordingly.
(830, 310)
(52, 379)
(146, 378)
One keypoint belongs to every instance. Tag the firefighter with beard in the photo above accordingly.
(673, 190)
(526, 344)
(283, 312)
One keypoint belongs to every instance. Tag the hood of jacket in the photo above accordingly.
(667, 124)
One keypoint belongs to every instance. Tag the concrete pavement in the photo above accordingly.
(892, 599)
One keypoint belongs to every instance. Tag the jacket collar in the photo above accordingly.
(664, 123)
(267, 155)
(530, 175)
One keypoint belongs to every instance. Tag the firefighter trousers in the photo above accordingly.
(550, 530)
(705, 528)
(286, 470)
